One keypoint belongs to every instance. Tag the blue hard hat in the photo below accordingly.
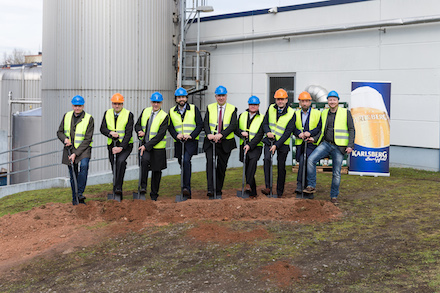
(78, 101)
(180, 92)
(156, 97)
(221, 90)
(333, 94)
(254, 100)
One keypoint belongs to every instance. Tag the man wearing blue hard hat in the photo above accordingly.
(151, 129)
(76, 133)
(185, 126)
(337, 139)
(251, 133)
(220, 124)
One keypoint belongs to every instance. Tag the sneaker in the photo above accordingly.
(265, 191)
(309, 189)
(334, 201)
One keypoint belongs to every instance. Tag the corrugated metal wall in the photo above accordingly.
(97, 48)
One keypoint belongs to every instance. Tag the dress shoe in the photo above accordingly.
(185, 192)
(265, 191)
(247, 188)
(118, 191)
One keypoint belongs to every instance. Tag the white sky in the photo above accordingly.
(21, 21)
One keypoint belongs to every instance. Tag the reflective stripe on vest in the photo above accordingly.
(227, 116)
(278, 127)
(154, 128)
(314, 117)
(80, 129)
(340, 127)
(253, 128)
(121, 122)
(189, 122)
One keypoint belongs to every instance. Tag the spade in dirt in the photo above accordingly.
(114, 196)
(75, 182)
(141, 193)
(243, 193)
(183, 196)
(271, 195)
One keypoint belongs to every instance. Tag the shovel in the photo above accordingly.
(113, 196)
(181, 197)
(271, 195)
(241, 193)
(304, 169)
(75, 182)
(139, 195)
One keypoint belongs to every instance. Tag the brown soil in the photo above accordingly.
(281, 272)
(63, 228)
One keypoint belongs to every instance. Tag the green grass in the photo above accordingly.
(387, 241)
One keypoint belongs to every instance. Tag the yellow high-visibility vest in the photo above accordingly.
(80, 130)
(278, 127)
(315, 115)
(120, 123)
(154, 128)
(340, 128)
(213, 120)
(253, 128)
(188, 124)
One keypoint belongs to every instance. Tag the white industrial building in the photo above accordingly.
(329, 44)
(136, 47)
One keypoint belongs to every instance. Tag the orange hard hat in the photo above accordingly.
(280, 94)
(304, 96)
(117, 98)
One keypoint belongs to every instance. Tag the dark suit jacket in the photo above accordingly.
(227, 144)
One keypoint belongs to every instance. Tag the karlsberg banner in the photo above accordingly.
(370, 108)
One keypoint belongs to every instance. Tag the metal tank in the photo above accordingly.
(26, 131)
(101, 47)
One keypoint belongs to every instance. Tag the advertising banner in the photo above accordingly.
(370, 108)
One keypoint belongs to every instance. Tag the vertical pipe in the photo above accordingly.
(182, 41)
(198, 51)
(10, 136)
(29, 163)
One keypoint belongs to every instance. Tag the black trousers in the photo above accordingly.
(156, 176)
(222, 164)
(121, 165)
(281, 163)
(252, 158)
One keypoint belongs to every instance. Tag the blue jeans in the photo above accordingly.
(81, 177)
(322, 151)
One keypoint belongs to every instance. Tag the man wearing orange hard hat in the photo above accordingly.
(307, 132)
(277, 126)
(117, 125)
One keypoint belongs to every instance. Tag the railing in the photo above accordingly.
(30, 158)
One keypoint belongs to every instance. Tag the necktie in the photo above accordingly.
(220, 120)
(150, 121)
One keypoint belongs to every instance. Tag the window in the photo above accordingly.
(286, 82)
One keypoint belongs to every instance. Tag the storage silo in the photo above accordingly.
(97, 48)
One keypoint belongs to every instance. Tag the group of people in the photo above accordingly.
(317, 135)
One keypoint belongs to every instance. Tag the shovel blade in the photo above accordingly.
(181, 197)
(272, 196)
(244, 194)
(140, 196)
(116, 197)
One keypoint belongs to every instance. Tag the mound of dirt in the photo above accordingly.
(62, 228)
(280, 272)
